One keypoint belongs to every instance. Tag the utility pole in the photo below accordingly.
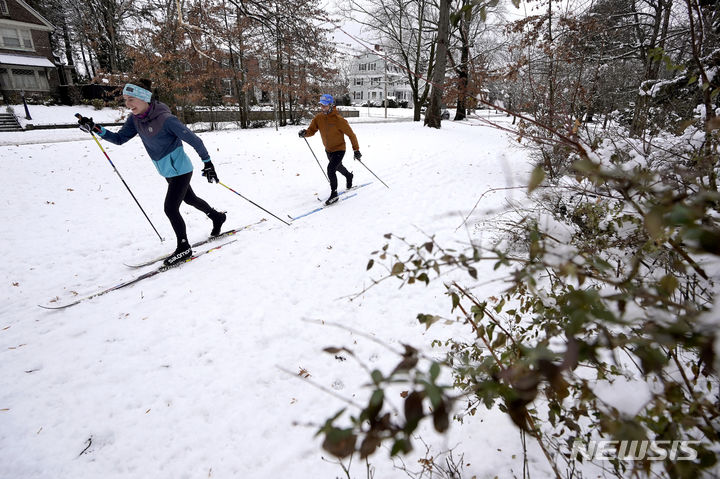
(386, 98)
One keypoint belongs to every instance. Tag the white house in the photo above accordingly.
(369, 74)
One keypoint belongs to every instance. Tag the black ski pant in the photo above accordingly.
(179, 190)
(334, 166)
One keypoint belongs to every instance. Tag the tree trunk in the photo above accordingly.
(463, 69)
(68, 49)
(432, 116)
(652, 64)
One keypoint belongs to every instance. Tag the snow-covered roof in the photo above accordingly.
(25, 60)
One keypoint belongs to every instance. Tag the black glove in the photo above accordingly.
(358, 155)
(88, 125)
(301, 133)
(209, 172)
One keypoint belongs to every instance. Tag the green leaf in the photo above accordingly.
(668, 284)
(376, 376)
(434, 393)
(401, 446)
(428, 320)
(499, 341)
(408, 362)
(370, 264)
(434, 371)
(397, 269)
(654, 223)
(374, 406)
(455, 18)
(455, 300)
(537, 177)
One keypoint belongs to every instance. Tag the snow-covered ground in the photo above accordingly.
(193, 373)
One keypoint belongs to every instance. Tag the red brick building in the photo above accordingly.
(27, 63)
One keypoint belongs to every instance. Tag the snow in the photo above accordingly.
(62, 115)
(193, 373)
(26, 60)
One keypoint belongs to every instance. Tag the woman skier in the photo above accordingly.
(162, 134)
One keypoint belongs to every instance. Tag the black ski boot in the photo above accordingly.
(218, 218)
(332, 199)
(182, 252)
(348, 181)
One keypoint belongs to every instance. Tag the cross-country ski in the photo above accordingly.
(197, 244)
(161, 269)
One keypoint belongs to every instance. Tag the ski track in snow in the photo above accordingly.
(183, 375)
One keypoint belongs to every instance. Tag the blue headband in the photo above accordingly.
(138, 92)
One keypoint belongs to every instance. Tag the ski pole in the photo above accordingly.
(78, 115)
(241, 196)
(376, 176)
(316, 159)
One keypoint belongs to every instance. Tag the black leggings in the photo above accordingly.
(335, 164)
(179, 190)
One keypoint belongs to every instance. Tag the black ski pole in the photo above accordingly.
(316, 159)
(376, 176)
(78, 115)
(249, 201)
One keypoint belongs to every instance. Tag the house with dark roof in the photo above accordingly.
(27, 63)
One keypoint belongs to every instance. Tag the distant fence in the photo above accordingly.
(207, 116)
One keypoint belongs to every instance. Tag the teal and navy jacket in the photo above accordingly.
(162, 134)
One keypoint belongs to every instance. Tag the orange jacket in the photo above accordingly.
(332, 128)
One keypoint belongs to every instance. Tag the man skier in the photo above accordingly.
(333, 128)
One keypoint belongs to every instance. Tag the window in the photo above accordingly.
(358, 81)
(371, 66)
(227, 87)
(358, 95)
(4, 8)
(375, 81)
(362, 67)
(15, 39)
(25, 79)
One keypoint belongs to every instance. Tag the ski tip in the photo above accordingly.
(56, 308)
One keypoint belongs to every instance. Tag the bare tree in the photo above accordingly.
(405, 30)
(434, 111)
